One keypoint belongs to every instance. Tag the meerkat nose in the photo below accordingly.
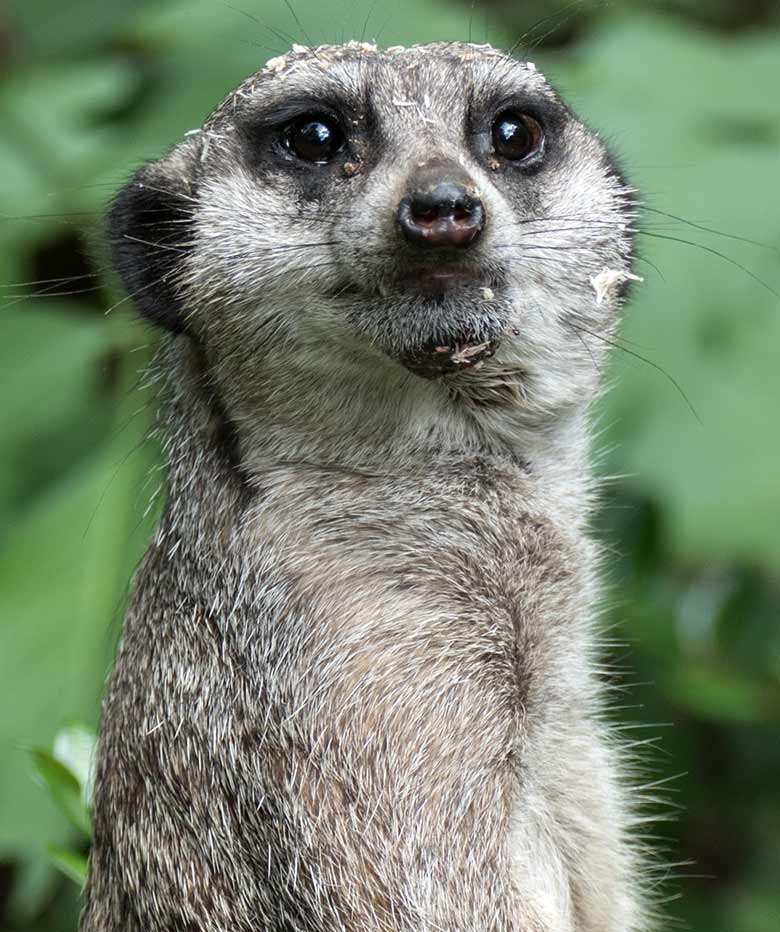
(441, 211)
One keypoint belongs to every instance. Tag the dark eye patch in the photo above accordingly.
(302, 134)
(522, 131)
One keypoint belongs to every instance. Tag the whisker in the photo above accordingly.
(137, 239)
(263, 48)
(131, 297)
(48, 217)
(639, 258)
(471, 18)
(280, 34)
(51, 281)
(369, 14)
(584, 223)
(616, 345)
(567, 13)
(18, 298)
(714, 252)
(299, 24)
(706, 229)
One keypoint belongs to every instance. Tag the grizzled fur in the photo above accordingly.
(357, 685)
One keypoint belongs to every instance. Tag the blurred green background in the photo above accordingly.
(688, 91)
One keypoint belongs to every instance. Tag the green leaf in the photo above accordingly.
(74, 748)
(64, 788)
(72, 864)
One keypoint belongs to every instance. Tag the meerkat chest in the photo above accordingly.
(436, 529)
(441, 554)
(387, 603)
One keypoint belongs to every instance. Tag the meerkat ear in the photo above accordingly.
(150, 229)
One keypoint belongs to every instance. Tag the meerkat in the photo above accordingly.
(357, 687)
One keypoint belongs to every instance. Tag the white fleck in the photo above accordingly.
(299, 48)
(530, 66)
(363, 46)
(606, 283)
(404, 103)
(277, 64)
(193, 132)
(488, 294)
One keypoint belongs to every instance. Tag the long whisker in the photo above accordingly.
(280, 34)
(714, 252)
(299, 24)
(559, 15)
(51, 281)
(616, 345)
(706, 229)
(49, 293)
(567, 13)
(585, 222)
(369, 14)
(62, 218)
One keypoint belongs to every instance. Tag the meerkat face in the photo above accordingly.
(438, 207)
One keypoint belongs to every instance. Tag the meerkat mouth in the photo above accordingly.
(438, 280)
(425, 282)
(436, 319)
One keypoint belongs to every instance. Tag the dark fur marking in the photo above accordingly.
(149, 228)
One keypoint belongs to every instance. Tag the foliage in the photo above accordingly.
(90, 89)
(66, 773)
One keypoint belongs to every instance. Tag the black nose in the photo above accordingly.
(441, 215)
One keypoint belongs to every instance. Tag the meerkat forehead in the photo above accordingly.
(326, 57)
(416, 77)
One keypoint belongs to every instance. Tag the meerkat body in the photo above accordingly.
(356, 687)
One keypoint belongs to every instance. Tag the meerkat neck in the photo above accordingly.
(378, 421)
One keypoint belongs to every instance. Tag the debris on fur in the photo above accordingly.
(281, 62)
(275, 65)
(439, 359)
(466, 354)
(607, 282)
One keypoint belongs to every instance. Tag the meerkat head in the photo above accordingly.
(435, 211)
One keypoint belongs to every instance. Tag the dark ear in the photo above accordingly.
(150, 226)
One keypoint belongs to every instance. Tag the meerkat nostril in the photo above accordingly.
(425, 216)
(445, 215)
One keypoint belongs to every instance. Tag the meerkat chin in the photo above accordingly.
(356, 688)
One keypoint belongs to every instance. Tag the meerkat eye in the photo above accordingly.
(517, 136)
(315, 138)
